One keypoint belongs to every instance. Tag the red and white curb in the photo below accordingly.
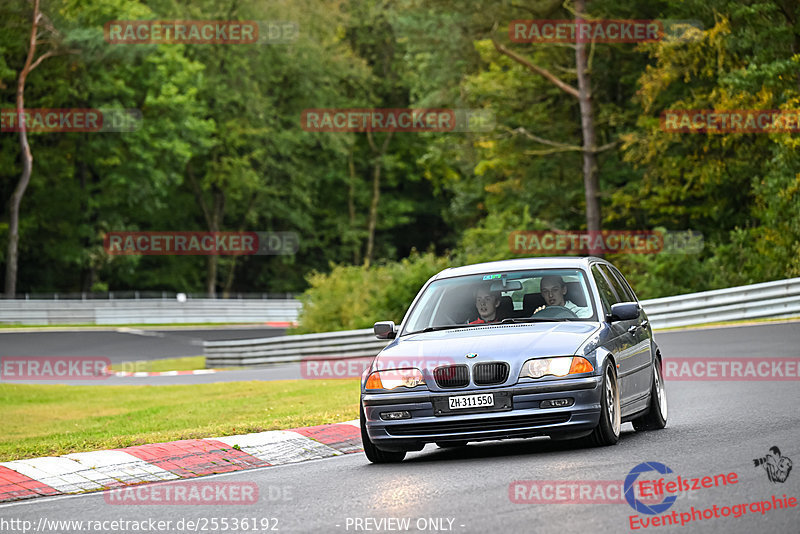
(281, 324)
(140, 374)
(101, 470)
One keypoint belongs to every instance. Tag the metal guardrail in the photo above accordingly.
(155, 311)
(774, 300)
(333, 345)
(767, 300)
(137, 295)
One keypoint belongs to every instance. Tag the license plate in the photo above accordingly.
(471, 401)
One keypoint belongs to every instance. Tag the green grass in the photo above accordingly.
(127, 325)
(189, 363)
(727, 323)
(50, 420)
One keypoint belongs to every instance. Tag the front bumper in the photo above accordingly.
(524, 418)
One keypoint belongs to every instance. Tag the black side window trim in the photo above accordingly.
(595, 268)
(618, 287)
(624, 283)
(610, 283)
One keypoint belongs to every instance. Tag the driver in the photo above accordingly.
(554, 293)
(486, 302)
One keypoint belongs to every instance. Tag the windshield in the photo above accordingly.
(502, 297)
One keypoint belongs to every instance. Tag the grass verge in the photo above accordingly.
(51, 420)
(95, 326)
(742, 322)
(189, 363)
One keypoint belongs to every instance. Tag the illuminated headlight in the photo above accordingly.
(395, 378)
(561, 366)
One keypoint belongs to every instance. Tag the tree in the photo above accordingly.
(583, 94)
(739, 189)
(38, 20)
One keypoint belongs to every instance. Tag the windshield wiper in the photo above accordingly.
(511, 320)
(443, 327)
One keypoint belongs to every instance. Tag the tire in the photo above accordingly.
(656, 416)
(374, 454)
(450, 444)
(607, 430)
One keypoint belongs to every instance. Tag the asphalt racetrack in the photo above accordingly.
(123, 344)
(714, 428)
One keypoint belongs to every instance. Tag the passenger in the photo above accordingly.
(486, 302)
(554, 293)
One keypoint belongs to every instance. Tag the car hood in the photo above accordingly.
(493, 342)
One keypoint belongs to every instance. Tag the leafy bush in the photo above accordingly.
(663, 275)
(351, 297)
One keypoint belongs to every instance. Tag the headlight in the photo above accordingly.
(561, 366)
(395, 378)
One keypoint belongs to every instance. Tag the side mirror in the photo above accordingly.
(623, 311)
(384, 330)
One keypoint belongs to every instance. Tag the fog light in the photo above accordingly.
(392, 416)
(556, 403)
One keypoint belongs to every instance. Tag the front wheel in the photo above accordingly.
(374, 454)
(607, 430)
(656, 416)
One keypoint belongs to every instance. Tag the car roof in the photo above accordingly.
(520, 264)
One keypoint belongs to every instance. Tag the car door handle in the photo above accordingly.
(633, 328)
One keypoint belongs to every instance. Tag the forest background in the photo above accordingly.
(221, 147)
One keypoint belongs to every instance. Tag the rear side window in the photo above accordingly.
(619, 288)
(606, 293)
(626, 287)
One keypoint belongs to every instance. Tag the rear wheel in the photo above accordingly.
(656, 417)
(374, 454)
(607, 430)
